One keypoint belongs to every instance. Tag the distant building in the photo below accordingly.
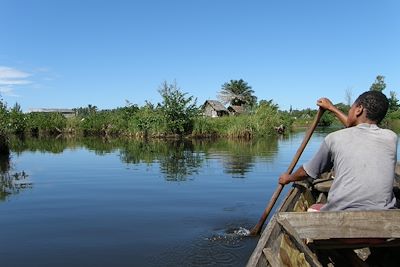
(68, 113)
(214, 108)
(236, 110)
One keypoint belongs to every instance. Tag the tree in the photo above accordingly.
(86, 111)
(237, 92)
(379, 84)
(393, 102)
(3, 116)
(4, 142)
(17, 120)
(269, 103)
(179, 110)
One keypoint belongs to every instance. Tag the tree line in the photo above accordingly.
(177, 115)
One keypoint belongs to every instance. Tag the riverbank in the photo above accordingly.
(154, 122)
(149, 124)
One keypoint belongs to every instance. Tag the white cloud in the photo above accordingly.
(7, 91)
(13, 76)
(10, 77)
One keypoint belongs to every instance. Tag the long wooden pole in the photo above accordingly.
(257, 228)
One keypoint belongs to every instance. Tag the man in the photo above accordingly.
(363, 157)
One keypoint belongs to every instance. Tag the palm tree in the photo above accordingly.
(237, 92)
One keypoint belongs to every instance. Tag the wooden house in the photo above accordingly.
(236, 110)
(214, 108)
(65, 112)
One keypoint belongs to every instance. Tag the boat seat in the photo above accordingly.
(345, 224)
(323, 185)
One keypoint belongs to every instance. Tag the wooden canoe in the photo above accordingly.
(294, 237)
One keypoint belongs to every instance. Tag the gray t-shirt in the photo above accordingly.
(364, 158)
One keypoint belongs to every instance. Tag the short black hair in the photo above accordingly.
(375, 103)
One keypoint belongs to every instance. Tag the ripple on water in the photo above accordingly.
(224, 248)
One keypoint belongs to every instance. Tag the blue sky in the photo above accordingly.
(66, 54)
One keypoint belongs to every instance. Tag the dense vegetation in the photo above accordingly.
(177, 115)
(4, 147)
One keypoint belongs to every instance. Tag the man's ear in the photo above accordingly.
(359, 110)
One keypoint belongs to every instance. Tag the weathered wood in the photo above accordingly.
(290, 255)
(344, 224)
(271, 258)
(290, 199)
(304, 201)
(323, 186)
(272, 230)
(287, 227)
(327, 231)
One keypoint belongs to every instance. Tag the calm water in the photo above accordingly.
(95, 202)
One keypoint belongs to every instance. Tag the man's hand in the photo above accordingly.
(284, 178)
(325, 103)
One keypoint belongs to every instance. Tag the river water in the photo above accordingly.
(97, 202)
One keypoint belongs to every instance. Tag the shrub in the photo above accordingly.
(3, 118)
(266, 118)
(17, 120)
(94, 124)
(147, 121)
(46, 123)
(179, 111)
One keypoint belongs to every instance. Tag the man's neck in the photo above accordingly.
(364, 120)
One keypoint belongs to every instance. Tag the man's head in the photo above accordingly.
(373, 104)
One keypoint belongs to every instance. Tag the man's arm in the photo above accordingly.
(321, 162)
(299, 175)
(326, 104)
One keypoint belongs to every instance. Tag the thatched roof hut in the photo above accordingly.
(214, 108)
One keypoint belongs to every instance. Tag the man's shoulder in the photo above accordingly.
(352, 131)
(389, 134)
(340, 133)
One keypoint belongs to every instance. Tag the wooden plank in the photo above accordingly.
(272, 259)
(323, 186)
(310, 257)
(344, 224)
(270, 233)
(272, 229)
(290, 199)
(290, 255)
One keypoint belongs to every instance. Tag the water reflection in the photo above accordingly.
(100, 146)
(137, 151)
(11, 183)
(240, 155)
(51, 145)
(95, 203)
(177, 160)
(181, 161)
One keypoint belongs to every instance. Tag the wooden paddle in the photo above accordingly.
(256, 229)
